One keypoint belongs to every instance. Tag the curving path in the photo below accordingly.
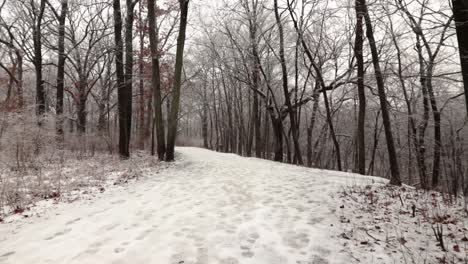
(206, 208)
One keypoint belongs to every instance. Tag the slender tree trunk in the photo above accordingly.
(292, 117)
(358, 50)
(255, 82)
(395, 171)
(141, 67)
(122, 93)
(128, 77)
(332, 129)
(437, 129)
(61, 70)
(37, 39)
(81, 112)
(425, 119)
(172, 133)
(277, 124)
(460, 10)
(310, 129)
(377, 132)
(156, 81)
(19, 77)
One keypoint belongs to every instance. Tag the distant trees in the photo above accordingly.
(361, 100)
(371, 89)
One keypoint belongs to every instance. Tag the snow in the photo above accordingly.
(206, 208)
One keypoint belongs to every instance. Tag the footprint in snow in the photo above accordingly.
(229, 260)
(92, 249)
(118, 202)
(110, 227)
(143, 234)
(73, 221)
(6, 255)
(119, 250)
(63, 232)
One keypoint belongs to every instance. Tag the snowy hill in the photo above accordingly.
(221, 208)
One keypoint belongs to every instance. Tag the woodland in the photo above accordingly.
(370, 87)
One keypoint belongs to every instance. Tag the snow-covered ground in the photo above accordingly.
(206, 208)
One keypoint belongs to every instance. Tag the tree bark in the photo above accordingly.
(292, 116)
(394, 169)
(122, 92)
(141, 85)
(156, 81)
(61, 70)
(37, 39)
(172, 133)
(358, 51)
(460, 11)
(128, 78)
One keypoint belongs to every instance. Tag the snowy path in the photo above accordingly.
(207, 208)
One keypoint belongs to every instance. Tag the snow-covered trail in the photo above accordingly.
(207, 208)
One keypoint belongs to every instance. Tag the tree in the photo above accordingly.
(156, 81)
(174, 115)
(395, 171)
(292, 116)
(38, 14)
(460, 11)
(16, 72)
(60, 65)
(124, 73)
(358, 51)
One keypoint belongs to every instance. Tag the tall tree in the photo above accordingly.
(122, 93)
(394, 169)
(292, 115)
(38, 14)
(174, 116)
(460, 11)
(358, 51)
(60, 65)
(251, 7)
(124, 73)
(156, 81)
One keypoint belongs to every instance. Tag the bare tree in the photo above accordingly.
(392, 155)
(460, 11)
(173, 122)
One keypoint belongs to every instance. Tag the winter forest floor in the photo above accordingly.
(210, 207)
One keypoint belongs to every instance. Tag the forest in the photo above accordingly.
(376, 88)
(372, 88)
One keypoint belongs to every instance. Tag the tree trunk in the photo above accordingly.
(61, 70)
(332, 129)
(277, 124)
(172, 133)
(460, 11)
(128, 77)
(395, 171)
(292, 116)
(19, 77)
(358, 51)
(122, 92)
(141, 67)
(37, 39)
(156, 81)
(81, 113)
